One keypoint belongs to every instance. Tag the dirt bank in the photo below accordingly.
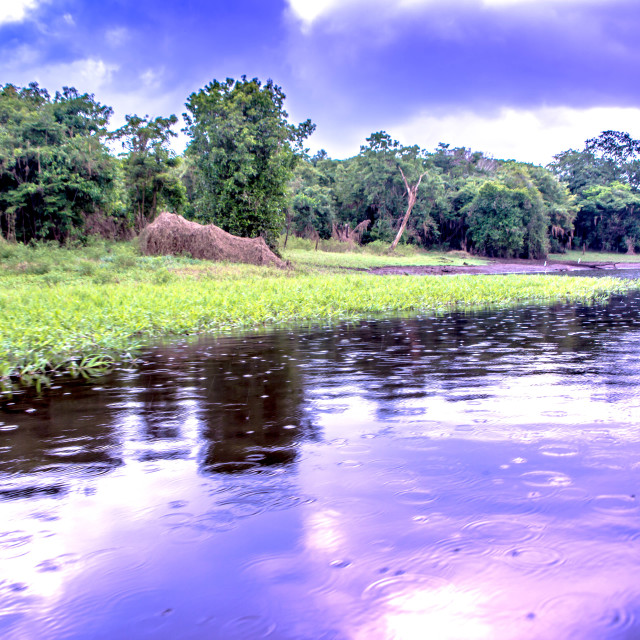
(504, 266)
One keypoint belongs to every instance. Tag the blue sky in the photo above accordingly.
(520, 79)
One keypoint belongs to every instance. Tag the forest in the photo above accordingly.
(64, 174)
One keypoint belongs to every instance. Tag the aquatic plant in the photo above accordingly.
(81, 324)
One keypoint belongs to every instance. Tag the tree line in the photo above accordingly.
(245, 169)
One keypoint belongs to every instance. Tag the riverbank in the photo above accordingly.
(497, 266)
(83, 325)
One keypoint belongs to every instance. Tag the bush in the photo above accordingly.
(162, 276)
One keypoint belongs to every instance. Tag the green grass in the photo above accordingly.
(333, 255)
(594, 256)
(323, 259)
(73, 309)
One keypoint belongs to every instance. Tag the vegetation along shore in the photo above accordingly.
(84, 309)
(77, 294)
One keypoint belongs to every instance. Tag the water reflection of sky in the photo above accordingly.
(454, 477)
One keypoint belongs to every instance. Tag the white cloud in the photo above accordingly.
(528, 135)
(89, 74)
(117, 36)
(16, 10)
(86, 75)
(151, 78)
(309, 11)
(22, 56)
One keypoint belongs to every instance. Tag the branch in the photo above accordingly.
(406, 183)
(420, 179)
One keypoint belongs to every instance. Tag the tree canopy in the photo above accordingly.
(604, 179)
(54, 165)
(462, 200)
(150, 167)
(246, 170)
(244, 151)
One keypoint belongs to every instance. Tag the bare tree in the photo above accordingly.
(412, 192)
(344, 233)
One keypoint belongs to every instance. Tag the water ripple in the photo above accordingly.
(248, 627)
(546, 479)
(503, 531)
(585, 614)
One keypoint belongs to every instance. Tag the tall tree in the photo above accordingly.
(609, 218)
(508, 218)
(244, 150)
(412, 194)
(558, 207)
(622, 150)
(149, 166)
(54, 165)
(371, 187)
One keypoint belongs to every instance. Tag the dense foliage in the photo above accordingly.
(54, 165)
(244, 152)
(464, 200)
(245, 170)
(150, 174)
(605, 180)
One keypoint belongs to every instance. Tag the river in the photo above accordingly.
(465, 476)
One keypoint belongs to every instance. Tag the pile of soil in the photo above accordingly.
(171, 234)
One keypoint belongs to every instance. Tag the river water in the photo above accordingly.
(464, 476)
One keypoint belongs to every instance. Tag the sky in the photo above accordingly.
(521, 79)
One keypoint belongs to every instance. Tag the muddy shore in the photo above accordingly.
(504, 266)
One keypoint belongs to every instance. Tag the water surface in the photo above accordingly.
(466, 476)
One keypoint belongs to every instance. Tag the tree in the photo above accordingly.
(244, 151)
(150, 167)
(559, 207)
(54, 165)
(412, 194)
(605, 180)
(619, 146)
(463, 173)
(622, 150)
(608, 218)
(371, 187)
(508, 218)
(580, 170)
(312, 212)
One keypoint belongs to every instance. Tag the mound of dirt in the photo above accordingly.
(171, 234)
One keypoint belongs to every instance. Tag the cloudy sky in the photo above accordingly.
(521, 79)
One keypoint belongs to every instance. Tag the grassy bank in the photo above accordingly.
(595, 256)
(334, 255)
(73, 310)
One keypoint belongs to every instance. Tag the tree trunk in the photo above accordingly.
(289, 216)
(413, 196)
(11, 227)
